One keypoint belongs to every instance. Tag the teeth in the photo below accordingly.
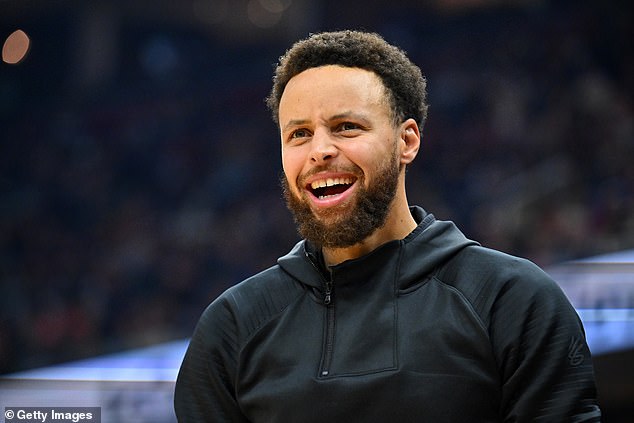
(322, 183)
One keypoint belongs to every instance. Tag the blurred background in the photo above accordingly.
(139, 166)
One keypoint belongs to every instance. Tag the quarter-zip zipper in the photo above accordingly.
(328, 293)
(329, 335)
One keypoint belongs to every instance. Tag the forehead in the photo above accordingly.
(333, 87)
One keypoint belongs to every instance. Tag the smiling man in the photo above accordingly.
(382, 312)
(344, 160)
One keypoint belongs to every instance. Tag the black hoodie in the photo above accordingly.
(431, 328)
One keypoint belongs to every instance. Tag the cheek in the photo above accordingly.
(374, 166)
(291, 164)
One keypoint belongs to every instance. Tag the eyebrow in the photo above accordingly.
(295, 122)
(338, 116)
(349, 114)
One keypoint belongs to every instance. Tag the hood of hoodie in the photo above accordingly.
(431, 244)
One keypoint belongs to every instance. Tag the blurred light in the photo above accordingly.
(160, 57)
(275, 6)
(265, 13)
(16, 47)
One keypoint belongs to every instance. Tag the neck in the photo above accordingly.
(398, 225)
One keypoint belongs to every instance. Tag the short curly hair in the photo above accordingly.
(403, 80)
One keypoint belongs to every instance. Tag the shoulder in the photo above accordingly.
(490, 265)
(490, 279)
(247, 305)
(492, 269)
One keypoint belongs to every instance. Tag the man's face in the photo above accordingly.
(339, 154)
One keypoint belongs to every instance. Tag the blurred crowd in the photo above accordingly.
(127, 207)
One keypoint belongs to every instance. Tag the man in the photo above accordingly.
(382, 313)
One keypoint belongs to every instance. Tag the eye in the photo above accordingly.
(299, 133)
(348, 126)
(349, 129)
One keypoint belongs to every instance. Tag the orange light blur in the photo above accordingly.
(16, 47)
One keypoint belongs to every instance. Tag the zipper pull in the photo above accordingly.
(328, 294)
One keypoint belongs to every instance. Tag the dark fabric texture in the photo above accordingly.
(431, 328)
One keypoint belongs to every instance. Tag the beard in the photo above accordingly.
(347, 225)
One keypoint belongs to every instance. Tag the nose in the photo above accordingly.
(323, 148)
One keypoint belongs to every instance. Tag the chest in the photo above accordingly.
(371, 355)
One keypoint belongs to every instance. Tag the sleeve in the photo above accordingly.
(205, 387)
(541, 351)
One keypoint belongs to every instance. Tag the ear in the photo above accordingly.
(410, 141)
